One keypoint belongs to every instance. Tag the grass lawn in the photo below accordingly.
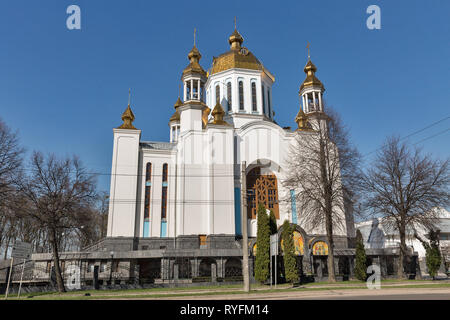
(220, 290)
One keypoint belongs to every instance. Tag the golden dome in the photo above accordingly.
(218, 114)
(235, 40)
(302, 121)
(127, 118)
(194, 66)
(311, 79)
(243, 59)
(176, 114)
(237, 57)
(179, 103)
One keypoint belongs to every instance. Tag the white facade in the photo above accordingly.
(203, 157)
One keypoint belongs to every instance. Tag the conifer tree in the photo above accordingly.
(262, 259)
(290, 261)
(433, 254)
(272, 223)
(361, 258)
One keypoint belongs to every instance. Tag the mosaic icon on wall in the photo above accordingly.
(298, 244)
(254, 250)
(320, 248)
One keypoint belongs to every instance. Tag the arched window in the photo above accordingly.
(217, 93)
(229, 97)
(253, 96)
(241, 95)
(164, 193)
(148, 186)
(263, 91)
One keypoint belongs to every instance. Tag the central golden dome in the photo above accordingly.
(237, 57)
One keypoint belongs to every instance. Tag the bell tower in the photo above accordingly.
(194, 112)
(311, 95)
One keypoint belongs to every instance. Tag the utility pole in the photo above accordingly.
(245, 270)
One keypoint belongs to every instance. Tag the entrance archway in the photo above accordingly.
(262, 188)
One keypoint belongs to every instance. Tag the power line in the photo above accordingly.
(416, 132)
(434, 135)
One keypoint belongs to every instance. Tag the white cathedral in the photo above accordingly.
(191, 185)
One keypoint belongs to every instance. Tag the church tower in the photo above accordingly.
(124, 175)
(311, 96)
(241, 84)
(193, 112)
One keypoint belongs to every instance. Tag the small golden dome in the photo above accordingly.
(218, 114)
(235, 40)
(179, 103)
(194, 66)
(302, 121)
(127, 118)
(311, 79)
(176, 114)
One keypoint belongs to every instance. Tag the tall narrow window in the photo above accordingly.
(229, 96)
(217, 94)
(148, 186)
(241, 95)
(263, 91)
(253, 96)
(164, 193)
(268, 103)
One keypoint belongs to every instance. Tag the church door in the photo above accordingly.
(262, 189)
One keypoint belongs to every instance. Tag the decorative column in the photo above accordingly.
(192, 89)
(164, 269)
(194, 268)
(320, 102)
(171, 267)
(304, 104)
(198, 90)
(336, 266)
(306, 264)
(351, 262)
(213, 272)
(185, 90)
(175, 271)
(314, 100)
(220, 268)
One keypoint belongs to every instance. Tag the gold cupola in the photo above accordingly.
(194, 66)
(311, 79)
(127, 118)
(235, 40)
(237, 57)
(311, 90)
(194, 77)
(176, 114)
(218, 114)
(302, 121)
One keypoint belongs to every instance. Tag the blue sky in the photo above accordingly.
(65, 90)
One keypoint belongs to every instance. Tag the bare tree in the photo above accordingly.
(404, 186)
(322, 168)
(10, 163)
(60, 191)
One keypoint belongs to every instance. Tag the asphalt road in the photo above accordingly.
(347, 294)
